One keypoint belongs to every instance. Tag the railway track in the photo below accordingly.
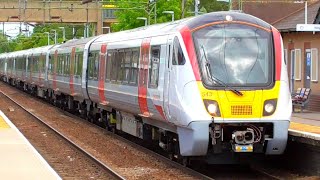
(185, 173)
(108, 169)
(182, 172)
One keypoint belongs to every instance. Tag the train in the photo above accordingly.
(212, 84)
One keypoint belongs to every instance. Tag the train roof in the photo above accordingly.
(29, 52)
(74, 42)
(40, 50)
(153, 30)
(172, 27)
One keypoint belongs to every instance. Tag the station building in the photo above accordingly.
(301, 48)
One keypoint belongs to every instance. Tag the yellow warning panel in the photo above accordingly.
(304, 127)
(3, 124)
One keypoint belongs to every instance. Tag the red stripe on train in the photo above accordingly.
(160, 110)
(143, 77)
(278, 52)
(102, 74)
(187, 38)
(71, 82)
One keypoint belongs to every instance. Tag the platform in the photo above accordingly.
(18, 158)
(305, 125)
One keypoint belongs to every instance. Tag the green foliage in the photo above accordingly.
(39, 37)
(128, 11)
(213, 5)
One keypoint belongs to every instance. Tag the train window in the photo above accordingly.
(50, 68)
(90, 65)
(109, 65)
(114, 65)
(35, 64)
(67, 65)
(58, 64)
(93, 65)
(59, 69)
(96, 66)
(134, 66)
(154, 67)
(24, 63)
(177, 54)
(80, 63)
(75, 64)
(126, 66)
(62, 64)
(120, 61)
(17, 63)
(41, 63)
(29, 64)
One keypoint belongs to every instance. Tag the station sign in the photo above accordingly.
(308, 27)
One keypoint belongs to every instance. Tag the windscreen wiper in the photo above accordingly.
(215, 79)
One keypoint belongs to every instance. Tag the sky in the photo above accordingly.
(12, 29)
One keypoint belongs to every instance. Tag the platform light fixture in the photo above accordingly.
(48, 37)
(64, 33)
(169, 12)
(55, 35)
(145, 20)
(106, 27)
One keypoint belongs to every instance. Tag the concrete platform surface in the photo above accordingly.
(18, 158)
(306, 122)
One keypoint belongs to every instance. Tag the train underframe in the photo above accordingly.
(223, 138)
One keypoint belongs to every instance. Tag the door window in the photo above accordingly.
(154, 67)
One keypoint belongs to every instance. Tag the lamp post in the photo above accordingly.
(305, 12)
(145, 20)
(48, 37)
(305, 9)
(64, 33)
(106, 27)
(196, 9)
(170, 12)
(55, 35)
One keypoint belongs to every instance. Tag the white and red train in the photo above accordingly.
(211, 84)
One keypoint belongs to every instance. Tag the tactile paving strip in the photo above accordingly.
(3, 124)
(305, 127)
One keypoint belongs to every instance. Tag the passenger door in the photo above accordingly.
(166, 87)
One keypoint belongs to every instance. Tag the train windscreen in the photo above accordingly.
(237, 55)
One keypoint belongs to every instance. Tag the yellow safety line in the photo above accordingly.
(3, 124)
(304, 127)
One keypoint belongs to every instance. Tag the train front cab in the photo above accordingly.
(242, 86)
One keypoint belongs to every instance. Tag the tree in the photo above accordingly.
(39, 37)
(128, 11)
(5, 44)
(214, 5)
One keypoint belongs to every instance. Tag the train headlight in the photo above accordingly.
(269, 107)
(212, 107)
